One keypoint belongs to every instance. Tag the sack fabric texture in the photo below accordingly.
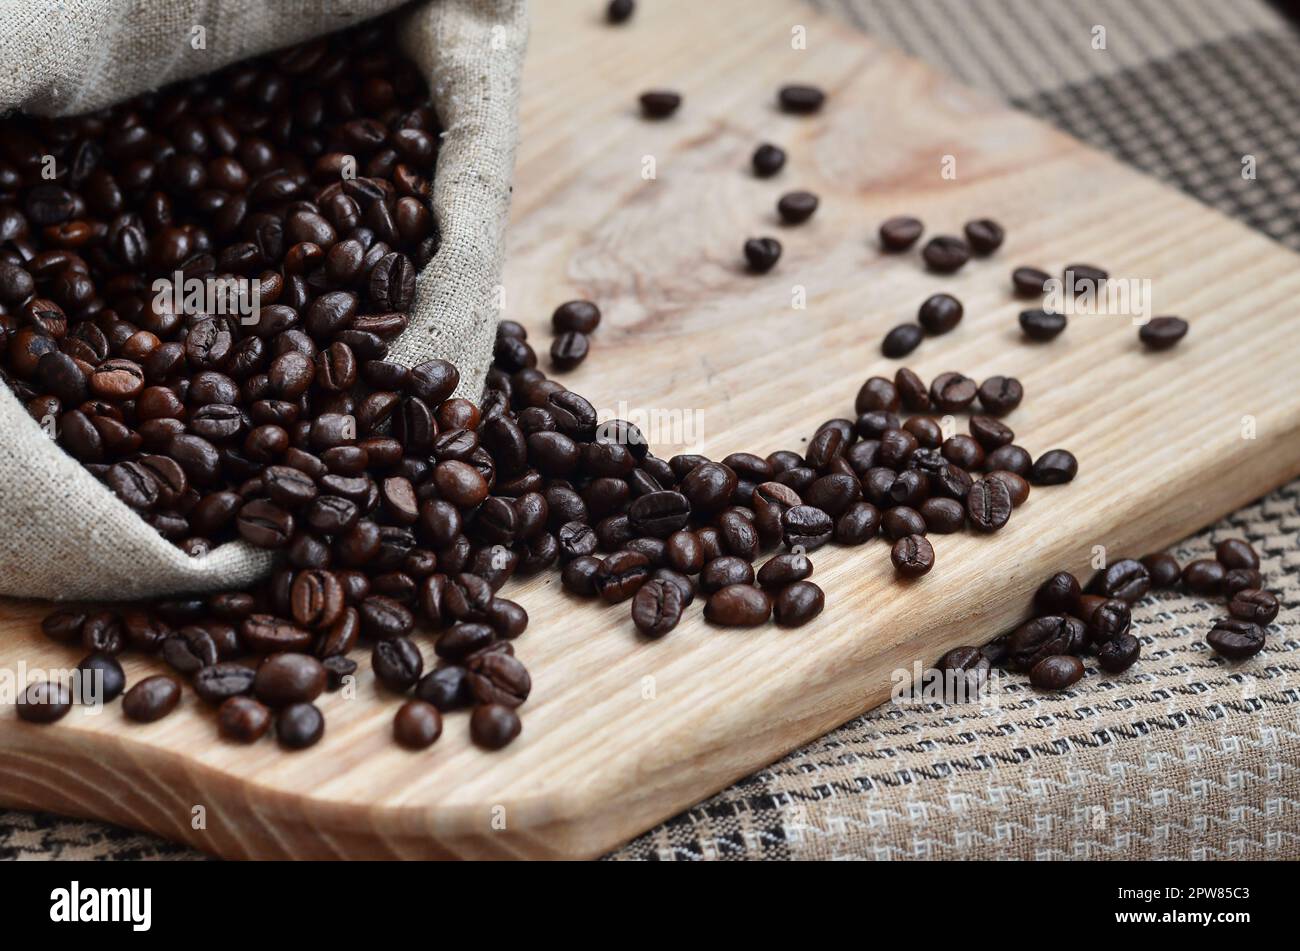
(66, 535)
(1182, 757)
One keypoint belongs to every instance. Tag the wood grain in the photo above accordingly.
(620, 734)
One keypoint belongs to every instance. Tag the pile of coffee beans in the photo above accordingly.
(1071, 621)
(943, 254)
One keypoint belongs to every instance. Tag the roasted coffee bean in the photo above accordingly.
(657, 608)
(101, 679)
(579, 576)
(1236, 553)
(1204, 576)
(568, 350)
(619, 11)
(738, 605)
(1161, 333)
(103, 632)
(44, 702)
(858, 524)
(783, 570)
(761, 254)
(1044, 636)
(1254, 605)
(659, 514)
(397, 663)
(1086, 606)
(999, 395)
(299, 726)
(1029, 281)
(417, 724)
(945, 254)
(1241, 579)
(621, 575)
(1163, 569)
(1126, 579)
(659, 103)
(1084, 278)
(1056, 672)
(493, 726)
(939, 314)
(447, 688)
(289, 678)
(151, 699)
(190, 649)
(497, 678)
(806, 527)
(264, 524)
(64, 626)
(243, 719)
(1054, 467)
(728, 569)
(796, 207)
(684, 553)
(1111, 619)
(901, 341)
(222, 681)
(1119, 653)
(1014, 459)
(767, 160)
(912, 556)
(316, 598)
(798, 603)
(984, 235)
(902, 521)
(1016, 487)
(1059, 594)
(1236, 639)
(952, 392)
(1041, 325)
(709, 487)
(800, 99)
(900, 233)
(969, 662)
(943, 516)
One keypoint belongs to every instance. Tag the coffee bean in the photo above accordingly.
(767, 160)
(952, 392)
(902, 521)
(621, 575)
(1161, 333)
(1254, 605)
(1016, 487)
(858, 524)
(1029, 281)
(943, 516)
(940, 313)
(912, 556)
(1236, 553)
(761, 254)
(1110, 619)
(999, 395)
(1012, 459)
(243, 719)
(1084, 278)
(659, 514)
(44, 702)
(901, 341)
(1204, 576)
(796, 207)
(1054, 467)
(798, 603)
(498, 678)
(1126, 579)
(801, 99)
(619, 11)
(1119, 653)
(283, 679)
(151, 699)
(657, 608)
(219, 682)
(806, 527)
(1041, 325)
(397, 663)
(945, 254)
(738, 605)
(1044, 636)
(900, 233)
(659, 103)
(102, 679)
(264, 524)
(723, 571)
(493, 726)
(299, 726)
(784, 570)
(190, 649)
(417, 725)
(1056, 672)
(984, 235)
(1236, 639)
(988, 505)
(569, 350)
(1058, 594)
(1163, 569)
(64, 626)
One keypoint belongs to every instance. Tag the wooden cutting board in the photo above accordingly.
(620, 734)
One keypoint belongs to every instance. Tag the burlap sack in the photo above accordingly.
(62, 533)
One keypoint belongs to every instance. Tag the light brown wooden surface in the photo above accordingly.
(620, 734)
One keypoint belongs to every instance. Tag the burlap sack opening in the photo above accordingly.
(63, 534)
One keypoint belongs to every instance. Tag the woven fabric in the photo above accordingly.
(1199, 758)
(66, 535)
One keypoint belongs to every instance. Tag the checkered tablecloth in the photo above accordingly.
(1183, 756)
